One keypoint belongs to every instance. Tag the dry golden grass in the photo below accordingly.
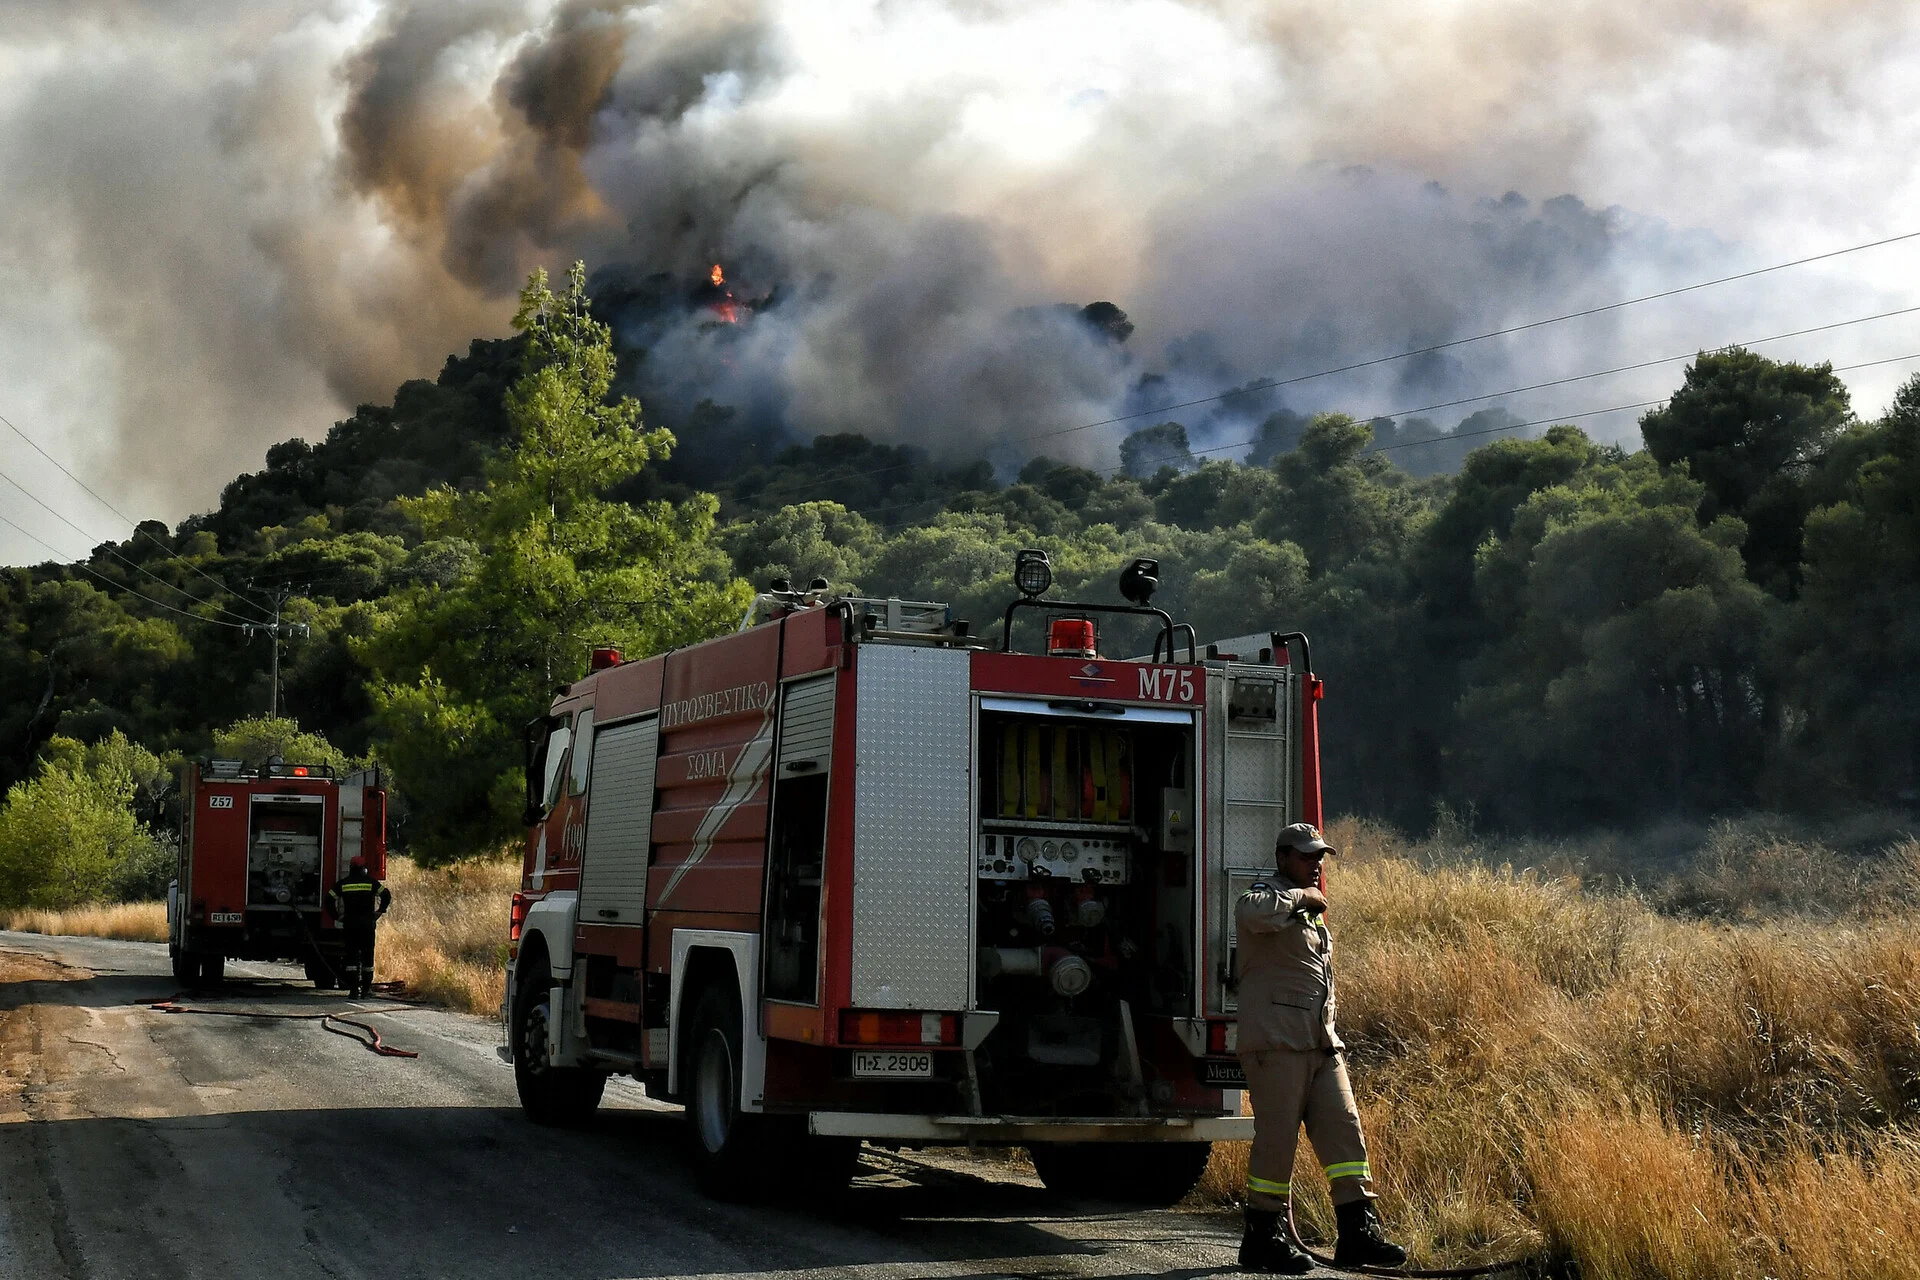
(446, 936)
(132, 921)
(1543, 1068)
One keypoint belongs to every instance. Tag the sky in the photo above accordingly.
(225, 224)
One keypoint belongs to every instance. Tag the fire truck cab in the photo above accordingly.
(854, 873)
(259, 848)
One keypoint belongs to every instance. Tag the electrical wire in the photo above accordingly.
(1413, 444)
(1265, 384)
(89, 570)
(133, 564)
(856, 474)
(130, 521)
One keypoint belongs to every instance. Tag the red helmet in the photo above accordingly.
(358, 863)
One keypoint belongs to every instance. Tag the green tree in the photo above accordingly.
(1751, 430)
(559, 569)
(257, 739)
(1856, 628)
(1336, 501)
(68, 833)
(1631, 676)
(1145, 452)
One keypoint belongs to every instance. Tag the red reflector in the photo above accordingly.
(1070, 637)
(865, 1026)
(299, 771)
(1217, 1037)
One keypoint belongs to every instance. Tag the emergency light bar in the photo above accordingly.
(300, 770)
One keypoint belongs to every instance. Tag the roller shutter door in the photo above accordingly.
(613, 878)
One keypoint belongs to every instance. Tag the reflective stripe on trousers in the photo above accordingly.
(1289, 1087)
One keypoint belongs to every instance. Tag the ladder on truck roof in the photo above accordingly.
(869, 618)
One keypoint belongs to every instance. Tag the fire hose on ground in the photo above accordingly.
(327, 1021)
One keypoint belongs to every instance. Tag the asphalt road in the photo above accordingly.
(140, 1143)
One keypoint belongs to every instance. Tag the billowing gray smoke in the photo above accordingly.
(226, 223)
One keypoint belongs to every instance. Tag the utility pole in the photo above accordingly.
(278, 630)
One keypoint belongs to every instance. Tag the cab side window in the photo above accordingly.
(555, 758)
(582, 753)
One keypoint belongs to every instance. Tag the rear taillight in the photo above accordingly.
(517, 917)
(864, 1026)
(1222, 1037)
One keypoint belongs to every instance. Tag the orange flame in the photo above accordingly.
(717, 276)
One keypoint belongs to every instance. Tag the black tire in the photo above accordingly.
(548, 1094)
(186, 966)
(1146, 1173)
(324, 976)
(729, 1148)
(212, 969)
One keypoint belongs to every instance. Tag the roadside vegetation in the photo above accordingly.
(1690, 1051)
(1707, 1068)
(446, 937)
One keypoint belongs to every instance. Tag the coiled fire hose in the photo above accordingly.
(327, 1022)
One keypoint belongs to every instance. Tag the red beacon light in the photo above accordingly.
(299, 771)
(604, 656)
(1071, 638)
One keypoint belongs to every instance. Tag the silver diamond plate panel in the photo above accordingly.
(1251, 831)
(1256, 769)
(913, 829)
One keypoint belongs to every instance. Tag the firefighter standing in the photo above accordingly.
(358, 903)
(1294, 1065)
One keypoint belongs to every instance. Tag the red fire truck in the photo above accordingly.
(854, 873)
(259, 848)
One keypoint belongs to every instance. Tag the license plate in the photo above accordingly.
(1223, 1073)
(893, 1065)
(226, 917)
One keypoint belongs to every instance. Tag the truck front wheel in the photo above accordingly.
(186, 966)
(1148, 1173)
(548, 1094)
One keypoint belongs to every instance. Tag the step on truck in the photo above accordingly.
(259, 849)
(854, 872)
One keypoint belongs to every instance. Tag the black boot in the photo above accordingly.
(1264, 1249)
(1362, 1242)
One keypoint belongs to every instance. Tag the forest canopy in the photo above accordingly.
(1555, 634)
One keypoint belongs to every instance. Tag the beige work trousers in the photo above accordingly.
(1290, 1087)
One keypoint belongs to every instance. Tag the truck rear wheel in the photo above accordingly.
(726, 1145)
(548, 1094)
(323, 974)
(212, 969)
(1152, 1173)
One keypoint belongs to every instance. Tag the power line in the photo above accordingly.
(1265, 384)
(130, 521)
(116, 555)
(1650, 364)
(87, 569)
(1491, 395)
(1412, 444)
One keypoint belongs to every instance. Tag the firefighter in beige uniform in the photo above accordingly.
(1294, 1065)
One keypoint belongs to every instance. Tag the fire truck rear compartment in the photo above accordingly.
(1084, 884)
(283, 853)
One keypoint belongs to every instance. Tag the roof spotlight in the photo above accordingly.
(1139, 580)
(1032, 571)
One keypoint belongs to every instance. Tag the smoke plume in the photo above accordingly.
(225, 224)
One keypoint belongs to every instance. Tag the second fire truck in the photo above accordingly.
(857, 873)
